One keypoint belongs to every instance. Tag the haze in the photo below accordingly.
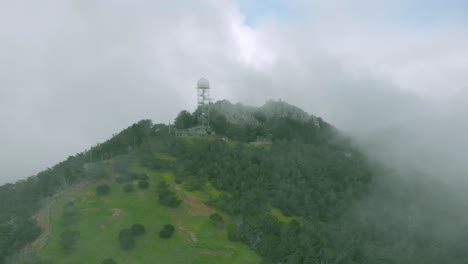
(391, 73)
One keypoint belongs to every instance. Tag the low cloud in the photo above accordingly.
(73, 73)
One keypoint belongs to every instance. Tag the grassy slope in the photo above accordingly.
(99, 231)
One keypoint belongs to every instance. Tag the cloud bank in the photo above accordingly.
(74, 72)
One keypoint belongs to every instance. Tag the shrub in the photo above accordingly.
(166, 196)
(143, 184)
(128, 188)
(167, 231)
(108, 261)
(138, 229)
(103, 189)
(169, 198)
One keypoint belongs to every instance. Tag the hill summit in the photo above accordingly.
(271, 184)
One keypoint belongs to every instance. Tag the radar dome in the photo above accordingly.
(203, 84)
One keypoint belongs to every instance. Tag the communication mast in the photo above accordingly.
(203, 91)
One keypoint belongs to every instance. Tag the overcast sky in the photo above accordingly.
(73, 72)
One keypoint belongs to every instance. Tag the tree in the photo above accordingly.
(169, 198)
(68, 239)
(143, 184)
(184, 120)
(103, 189)
(128, 188)
(166, 196)
(219, 123)
(167, 231)
(138, 229)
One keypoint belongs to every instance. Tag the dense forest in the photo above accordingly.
(338, 206)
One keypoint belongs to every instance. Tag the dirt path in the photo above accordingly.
(187, 230)
(195, 206)
(117, 214)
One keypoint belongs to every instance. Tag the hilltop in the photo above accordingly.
(272, 184)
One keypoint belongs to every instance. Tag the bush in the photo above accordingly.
(103, 189)
(166, 196)
(108, 261)
(128, 188)
(169, 198)
(143, 184)
(167, 231)
(138, 229)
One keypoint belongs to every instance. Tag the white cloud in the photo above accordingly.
(74, 72)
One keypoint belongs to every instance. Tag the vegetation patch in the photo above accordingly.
(166, 196)
(97, 228)
(165, 157)
(280, 216)
(167, 231)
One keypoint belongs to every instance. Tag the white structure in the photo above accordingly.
(203, 88)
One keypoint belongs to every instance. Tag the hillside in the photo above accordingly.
(196, 240)
(273, 184)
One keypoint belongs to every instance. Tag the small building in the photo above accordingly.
(197, 131)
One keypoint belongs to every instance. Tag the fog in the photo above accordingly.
(392, 74)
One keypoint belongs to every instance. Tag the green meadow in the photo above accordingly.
(196, 240)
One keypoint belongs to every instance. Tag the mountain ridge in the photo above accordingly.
(310, 196)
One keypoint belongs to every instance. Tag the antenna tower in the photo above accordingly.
(203, 92)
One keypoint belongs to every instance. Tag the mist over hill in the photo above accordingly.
(296, 189)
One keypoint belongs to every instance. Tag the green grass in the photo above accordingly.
(280, 216)
(99, 231)
(165, 157)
